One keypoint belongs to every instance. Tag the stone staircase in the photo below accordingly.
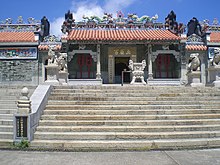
(129, 118)
(8, 106)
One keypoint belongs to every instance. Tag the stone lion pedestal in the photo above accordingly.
(52, 74)
(194, 79)
(214, 73)
(63, 76)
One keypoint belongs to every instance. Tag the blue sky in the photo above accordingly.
(55, 9)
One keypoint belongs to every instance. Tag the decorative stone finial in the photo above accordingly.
(24, 104)
(24, 94)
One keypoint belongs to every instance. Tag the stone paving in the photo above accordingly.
(185, 157)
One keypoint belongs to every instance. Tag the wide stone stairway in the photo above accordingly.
(8, 106)
(8, 99)
(129, 118)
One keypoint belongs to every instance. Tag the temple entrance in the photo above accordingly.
(82, 66)
(121, 63)
(166, 66)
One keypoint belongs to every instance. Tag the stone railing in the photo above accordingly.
(29, 112)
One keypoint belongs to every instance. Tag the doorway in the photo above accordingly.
(82, 66)
(121, 64)
(166, 66)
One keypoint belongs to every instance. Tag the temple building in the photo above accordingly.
(98, 50)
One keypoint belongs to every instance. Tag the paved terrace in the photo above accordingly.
(192, 157)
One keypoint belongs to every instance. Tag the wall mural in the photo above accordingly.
(18, 53)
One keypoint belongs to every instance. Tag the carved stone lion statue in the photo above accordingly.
(216, 59)
(52, 59)
(194, 62)
(62, 62)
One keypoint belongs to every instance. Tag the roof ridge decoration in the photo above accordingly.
(107, 21)
(132, 21)
(9, 26)
(195, 39)
(50, 41)
(214, 26)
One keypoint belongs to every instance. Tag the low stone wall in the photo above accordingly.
(19, 71)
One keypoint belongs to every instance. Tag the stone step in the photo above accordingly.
(130, 117)
(136, 94)
(6, 101)
(133, 88)
(8, 98)
(160, 98)
(140, 145)
(169, 128)
(6, 128)
(7, 111)
(6, 122)
(6, 143)
(137, 88)
(6, 116)
(92, 98)
(6, 135)
(124, 135)
(131, 112)
(129, 107)
(133, 102)
(128, 122)
(8, 106)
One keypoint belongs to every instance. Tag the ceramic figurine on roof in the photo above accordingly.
(69, 19)
(108, 18)
(68, 23)
(215, 21)
(20, 20)
(171, 23)
(120, 21)
(132, 18)
(45, 28)
(194, 27)
(8, 21)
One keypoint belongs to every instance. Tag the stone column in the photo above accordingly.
(203, 70)
(150, 66)
(98, 74)
(183, 63)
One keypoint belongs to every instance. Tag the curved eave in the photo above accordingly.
(196, 47)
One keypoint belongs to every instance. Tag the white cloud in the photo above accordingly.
(86, 8)
(90, 8)
(113, 6)
(56, 26)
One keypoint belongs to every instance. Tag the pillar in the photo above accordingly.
(150, 66)
(203, 69)
(98, 73)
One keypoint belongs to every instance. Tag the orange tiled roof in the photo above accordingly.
(17, 37)
(215, 37)
(196, 47)
(121, 34)
(46, 47)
